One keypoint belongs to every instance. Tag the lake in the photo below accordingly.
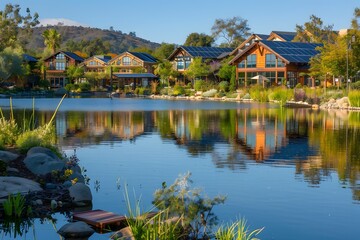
(295, 172)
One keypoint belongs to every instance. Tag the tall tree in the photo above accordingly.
(10, 22)
(199, 40)
(197, 69)
(233, 30)
(315, 31)
(74, 72)
(165, 70)
(52, 39)
(164, 51)
(11, 63)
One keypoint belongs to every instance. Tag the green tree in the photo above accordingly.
(74, 72)
(233, 30)
(199, 40)
(52, 39)
(11, 21)
(315, 31)
(11, 63)
(165, 70)
(197, 69)
(164, 51)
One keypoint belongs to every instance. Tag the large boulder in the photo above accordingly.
(14, 185)
(80, 193)
(7, 156)
(42, 161)
(76, 230)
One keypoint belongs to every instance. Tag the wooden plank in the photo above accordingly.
(99, 218)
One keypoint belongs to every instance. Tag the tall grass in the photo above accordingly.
(281, 95)
(237, 231)
(258, 93)
(26, 135)
(354, 98)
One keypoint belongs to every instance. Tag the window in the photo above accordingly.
(126, 61)
(270, 60)
(280, 63)
(241, 64)
(60, 66)
(135, 62)
(60, 56)
(187, 62)
(179, 64)
(251, 61)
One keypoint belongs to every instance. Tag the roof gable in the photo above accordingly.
(203, 52)
(29, 58)
(284, 36)
(253, 37)
(144, 57)
(69, 54)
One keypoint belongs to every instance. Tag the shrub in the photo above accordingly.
(84, 87)
(42, 136)
(200, 85)
(354, 98)
(9, 131)
(224, 86)
(178, 90)
(299, 94)
(44, 84)
(281, 94)
(259, 93)
(355, 85)
(180, 200)
(210, 93)
(70, 87)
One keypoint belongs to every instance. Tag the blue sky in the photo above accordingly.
(172, 21)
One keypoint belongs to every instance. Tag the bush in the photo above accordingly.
(178, 90)
(210, 93)
(9, 132)
(281, 94)
(299, 95)
(259, 93)
(44, 84)
(70, 87)
(355, 85)
(200, 85)
(42, 136)
(85, 87)
(224, 86)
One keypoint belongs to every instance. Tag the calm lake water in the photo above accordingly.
(295, 172)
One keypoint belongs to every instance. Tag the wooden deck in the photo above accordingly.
(100, 219)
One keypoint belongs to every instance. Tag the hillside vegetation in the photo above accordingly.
(118, 41)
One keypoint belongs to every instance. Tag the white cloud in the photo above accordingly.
(61, 21)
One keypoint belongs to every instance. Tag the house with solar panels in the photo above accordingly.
(56, 66)
(97, 63)
(183, 56)
(133, 69)
(276, 60)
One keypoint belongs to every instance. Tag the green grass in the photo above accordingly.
(237, 231)
(354, 98)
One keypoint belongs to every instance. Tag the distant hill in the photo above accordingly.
(119, 41)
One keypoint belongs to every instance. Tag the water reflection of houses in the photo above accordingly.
(83, 128)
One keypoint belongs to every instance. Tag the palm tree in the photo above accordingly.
(52, 39)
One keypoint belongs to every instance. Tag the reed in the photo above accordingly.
(238, 230)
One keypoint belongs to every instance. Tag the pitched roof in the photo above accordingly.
(203, 52)
(144, 56)
(249, 41)
(69, 54)
(291, 52)
(103, 58)
(29, 58)
(287, 36)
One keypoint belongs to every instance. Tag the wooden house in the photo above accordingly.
(56, 66)
(184, 55)
(96, 63)
(276, 61)
(133, 69)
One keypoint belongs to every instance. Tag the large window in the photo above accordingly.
(241, 64)
(270, 60)
(126, 61)
(187, 62)
(180, 65)
(280, 63)
(251, 61)
(60, 66)
(60, 56)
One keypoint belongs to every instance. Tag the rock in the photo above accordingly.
(12, 170)
(42, 150)
(76, 169)
(53, 204)
(50, 186)
(67, 184)
(80, 178)
(38, 202)
(42, 164)
(76, 230)
(7, 156)
(14, 185)
(80, 193)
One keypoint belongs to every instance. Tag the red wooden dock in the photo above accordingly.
(100, 219)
